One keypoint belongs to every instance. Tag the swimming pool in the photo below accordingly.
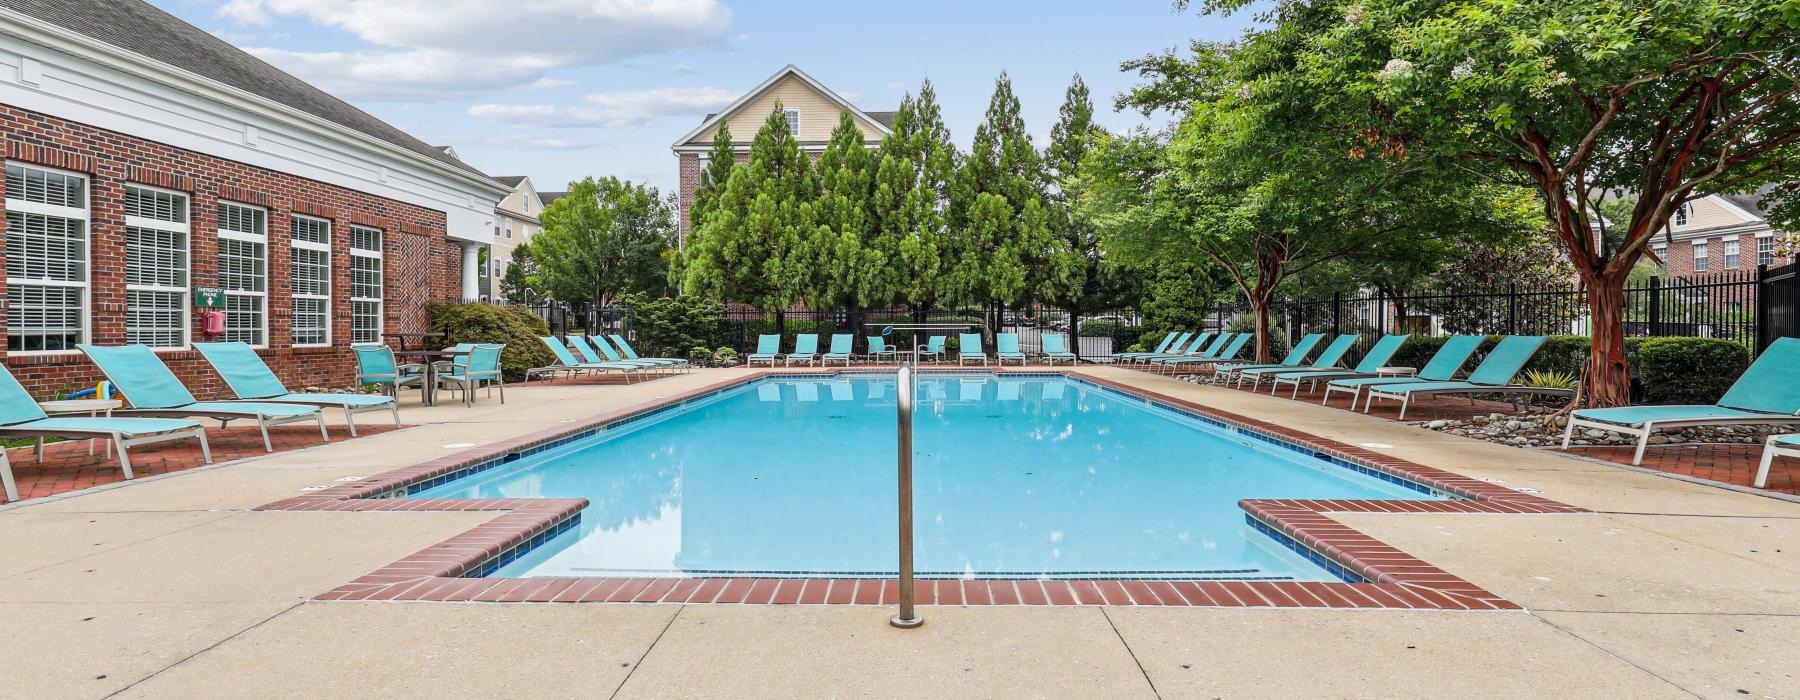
(1036, 476)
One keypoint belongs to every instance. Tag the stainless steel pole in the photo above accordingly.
(908, 617)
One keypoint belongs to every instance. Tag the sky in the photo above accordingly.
(562, 89)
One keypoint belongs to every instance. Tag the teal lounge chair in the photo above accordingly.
(21, 417)
(1328, 359)
(1768, 393)
(768, 349)
(661, 363)
(152, 390)
(806, 349)
(1226, 354)
(631, 355)
(964, 342)
(250, 379)
(589, 349)
(1778, 446)
(1493, 376)
(1293, 359)
(1006, 347)
(841, 346)
(1056, 349)
(469, 372)
(375, 365)
(1372, 361)
(1443, 366)
(878, 348)
(934, 348)
(566, 363)
(1188, 345)
(1161, 347)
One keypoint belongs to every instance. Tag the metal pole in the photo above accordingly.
(908, 617)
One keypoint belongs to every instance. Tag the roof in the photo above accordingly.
(548, 197)
(509, 180)
(885, 124)
(1751, 203)
(138, 27)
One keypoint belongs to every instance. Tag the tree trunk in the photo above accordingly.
(1074, 332)
(1608, 381)
(1259, 311)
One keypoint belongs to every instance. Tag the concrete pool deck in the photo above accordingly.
(173, 587)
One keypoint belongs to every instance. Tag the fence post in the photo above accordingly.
(1337, 314)
(1512, 308)
(1655, 310)
(1219, 311)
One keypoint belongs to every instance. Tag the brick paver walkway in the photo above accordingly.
(1725, 463)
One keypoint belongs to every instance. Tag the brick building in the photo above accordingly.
(145, 158)
(1719, 233)
(812, 111)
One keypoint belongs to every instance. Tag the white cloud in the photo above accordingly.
(746, 36)
(620, 109)
(549, 83)
(685, 68)
(463, 47)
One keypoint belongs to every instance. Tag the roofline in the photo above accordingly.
(765, 85)
(91, 49)
(1733, 208)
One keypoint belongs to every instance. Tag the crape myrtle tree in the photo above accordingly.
(1659, 101)
(1093, 280)
(917, 162)
(763, 209)
(1257, 176)
(607, 237)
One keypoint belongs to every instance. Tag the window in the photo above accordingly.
(1662, 252)
(365, 285)
(243, 271)
(1731, 253)
(46, 259)
(1681, 214)
(311, 280)
(793, 120)
(1699, 256)
(509, 228)
(1765, 250)
(156, 267)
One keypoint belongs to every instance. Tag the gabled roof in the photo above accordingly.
(137, 27)
(789, 70)
(1751, 203)
(510, 180)
(548, 197)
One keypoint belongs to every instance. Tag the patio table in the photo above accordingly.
(428, 390)
(403, 336)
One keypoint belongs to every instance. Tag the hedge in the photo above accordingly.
(476, 322)
(1688, 370)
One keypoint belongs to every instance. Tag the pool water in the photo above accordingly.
(1015, 476)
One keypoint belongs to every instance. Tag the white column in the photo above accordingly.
(471, 269)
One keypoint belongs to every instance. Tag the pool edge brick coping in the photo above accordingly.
(1385, 576)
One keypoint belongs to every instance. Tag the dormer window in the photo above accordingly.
(793, 120)
(1681, 214)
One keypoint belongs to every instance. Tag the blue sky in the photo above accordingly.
(560, 89)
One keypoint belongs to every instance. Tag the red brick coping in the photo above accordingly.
(1391, 578)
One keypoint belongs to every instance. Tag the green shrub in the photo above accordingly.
(476, 322)
(1560, 354)
(1417, 351)
(666, 326)
(700, 356)
(1689, 370)
(725, 357)
(1137, 347)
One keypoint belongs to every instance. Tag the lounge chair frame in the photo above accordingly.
(1643, 430)
(1775, 447)
(225, 417)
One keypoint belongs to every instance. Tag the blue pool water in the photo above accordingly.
(1014, 476)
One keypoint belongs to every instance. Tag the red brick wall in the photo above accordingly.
(419, 263)
(1680, 257)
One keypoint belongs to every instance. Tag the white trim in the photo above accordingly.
(764, 86)
(85, 305)
(302, 244)
(187, 272)
(262, 296)
(381, 266)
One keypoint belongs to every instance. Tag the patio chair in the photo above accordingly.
(153, 390)
(1229, 353)
(1160, 348)
(934, 348)
(841, 346)
(1006, 347)
(1493, 376)
(878, 348)
(590, 352)
(375, 365)
(680, 363)
(469, 372)
(1293, 359)
(964, 342)
(1768, 393)
(566, 363)
(1372, 361)
(250, 379)
(806, 349)
(768, 348)
(21, 417)
(1443, 366)
(1055, 349)
(1328, 359)
(1777, 446)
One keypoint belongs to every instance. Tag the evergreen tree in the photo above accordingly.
(854, 266)
(1085, 280)
(918, 162)
(713, 173)
(749, 245)
(998, 221)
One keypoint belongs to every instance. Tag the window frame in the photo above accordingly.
(187, 273)
(377, 254)
(1701, 256)
(295, 244)
(1733, 253)
(86, 285)
(1762, 238)
(793, 120)
(1683, 213)
(262, 296)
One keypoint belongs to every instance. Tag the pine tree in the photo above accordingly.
(918, 162)
(1084, 281)
(713, 173)
(988, 254)
(754, 235)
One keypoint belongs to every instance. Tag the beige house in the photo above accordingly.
(1720, 232)
(812, 112)
(515, 222)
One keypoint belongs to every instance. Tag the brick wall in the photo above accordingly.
(1679, 259)
(419, 263)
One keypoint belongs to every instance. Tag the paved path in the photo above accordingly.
(171, 587)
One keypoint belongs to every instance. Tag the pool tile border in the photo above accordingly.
(1380, 575)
